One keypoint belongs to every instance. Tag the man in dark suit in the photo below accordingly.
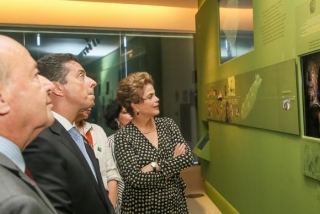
(62, 165)
(22, 117)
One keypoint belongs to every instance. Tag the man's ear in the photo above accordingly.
(58, 89)
(4, 102)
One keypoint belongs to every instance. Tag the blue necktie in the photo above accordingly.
(77, 137)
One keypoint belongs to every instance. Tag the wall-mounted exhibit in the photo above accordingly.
(265, 98)
(258, 109)
(310, 75)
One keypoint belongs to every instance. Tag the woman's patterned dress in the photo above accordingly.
(152, 192)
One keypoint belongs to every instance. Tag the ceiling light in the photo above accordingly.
(38, 39)
(125, 41)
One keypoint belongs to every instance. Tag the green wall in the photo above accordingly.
(251, 170)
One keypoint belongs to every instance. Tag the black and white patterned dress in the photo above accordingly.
(152, 192)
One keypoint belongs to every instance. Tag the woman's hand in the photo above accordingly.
(180, 149)
(149, 168)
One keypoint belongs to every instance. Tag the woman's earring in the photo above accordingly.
(138, 113)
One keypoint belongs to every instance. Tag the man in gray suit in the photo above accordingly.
(25, 110)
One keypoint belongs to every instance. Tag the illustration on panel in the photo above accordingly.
(310, 75)
(263, 98)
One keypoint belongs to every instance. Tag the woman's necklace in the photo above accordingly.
(149, 131)
(154, 127)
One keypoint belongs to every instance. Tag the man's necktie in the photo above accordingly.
(77, 137)
(89, 138)
(28, 173)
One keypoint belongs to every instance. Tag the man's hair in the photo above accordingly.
(53, 66)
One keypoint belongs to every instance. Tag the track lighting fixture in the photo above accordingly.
(94, 42)
(91, 42)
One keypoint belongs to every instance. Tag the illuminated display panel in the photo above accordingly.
(310, 74)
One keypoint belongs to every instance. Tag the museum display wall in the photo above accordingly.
(255, 109)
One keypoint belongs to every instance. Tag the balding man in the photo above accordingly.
(25, 110)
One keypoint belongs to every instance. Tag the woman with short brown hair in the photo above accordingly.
(150, 152)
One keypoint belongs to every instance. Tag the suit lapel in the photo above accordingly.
(67, 140)
(7, 163)
(33, 185)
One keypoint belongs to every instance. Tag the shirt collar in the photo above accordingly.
(86, 126)
(64, 122)
(13, 152)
